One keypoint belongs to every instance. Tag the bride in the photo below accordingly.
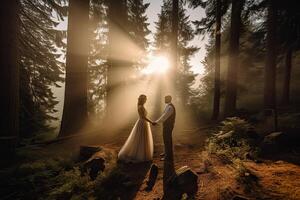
(139, 145)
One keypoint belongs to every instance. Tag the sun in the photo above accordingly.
(158, 64)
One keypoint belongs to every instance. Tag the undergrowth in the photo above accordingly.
(236, 139)
(53, 178)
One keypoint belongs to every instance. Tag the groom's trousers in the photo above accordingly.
(168, 144)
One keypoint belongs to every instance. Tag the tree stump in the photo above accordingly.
(93, 166)
(152, 177)
(87, 151)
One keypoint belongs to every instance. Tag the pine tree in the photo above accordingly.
(162, 44)
(217, 92)
(9, 77)
(233, 63)
(138, 23)
(75, 102)
(289, 41)
(271, 55)
(212, 24)
(41, 46)
(97, 65)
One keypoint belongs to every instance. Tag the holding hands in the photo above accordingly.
(153, 123)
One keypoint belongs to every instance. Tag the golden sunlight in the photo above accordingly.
(158, 64)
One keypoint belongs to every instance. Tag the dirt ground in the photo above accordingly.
(276, 179)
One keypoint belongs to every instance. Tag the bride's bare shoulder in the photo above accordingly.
(140, 107)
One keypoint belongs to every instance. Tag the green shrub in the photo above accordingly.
(70, 184)
(113, 185)
(31, 168)
(236, 139)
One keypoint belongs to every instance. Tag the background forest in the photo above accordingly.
(106, 55)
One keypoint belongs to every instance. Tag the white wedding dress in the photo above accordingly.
(139, 145)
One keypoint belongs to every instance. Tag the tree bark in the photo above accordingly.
(217, 92)
(9, 75)
(75, 102)
(270, 67)
(287, 77)
(233, 63)
(9, 67)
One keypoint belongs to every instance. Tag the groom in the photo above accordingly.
(168, 120)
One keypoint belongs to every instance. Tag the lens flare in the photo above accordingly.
(158, 64)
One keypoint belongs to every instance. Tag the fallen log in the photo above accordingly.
(86, 152)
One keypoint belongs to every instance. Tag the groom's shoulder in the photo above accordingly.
(171, 105)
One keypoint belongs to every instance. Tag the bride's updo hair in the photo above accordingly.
(142, 99)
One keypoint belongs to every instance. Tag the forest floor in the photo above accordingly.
(276, 177)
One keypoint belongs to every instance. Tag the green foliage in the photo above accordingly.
(113, 185)
(41, 68)
(42, 176)
(52, 164)
(206, 24)
(97, 63)
(138, 23)
(235, 140)
(71, 185)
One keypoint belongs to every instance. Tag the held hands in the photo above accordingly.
(153, 123)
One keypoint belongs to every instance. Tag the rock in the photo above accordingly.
(152, 177)
(186, 181)
(271, 143)
(94, 166)
(279, 162)
(87, 151)
(273, 137)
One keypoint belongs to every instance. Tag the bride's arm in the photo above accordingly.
(142, 112)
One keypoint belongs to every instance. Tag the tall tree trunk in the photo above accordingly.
(217, 92)
(9, 76)
(75, 103)
(270, 68)
(169, 169)
(118, 56)
(233, 63)
(287, 77)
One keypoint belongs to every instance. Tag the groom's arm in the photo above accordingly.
(167, 113)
